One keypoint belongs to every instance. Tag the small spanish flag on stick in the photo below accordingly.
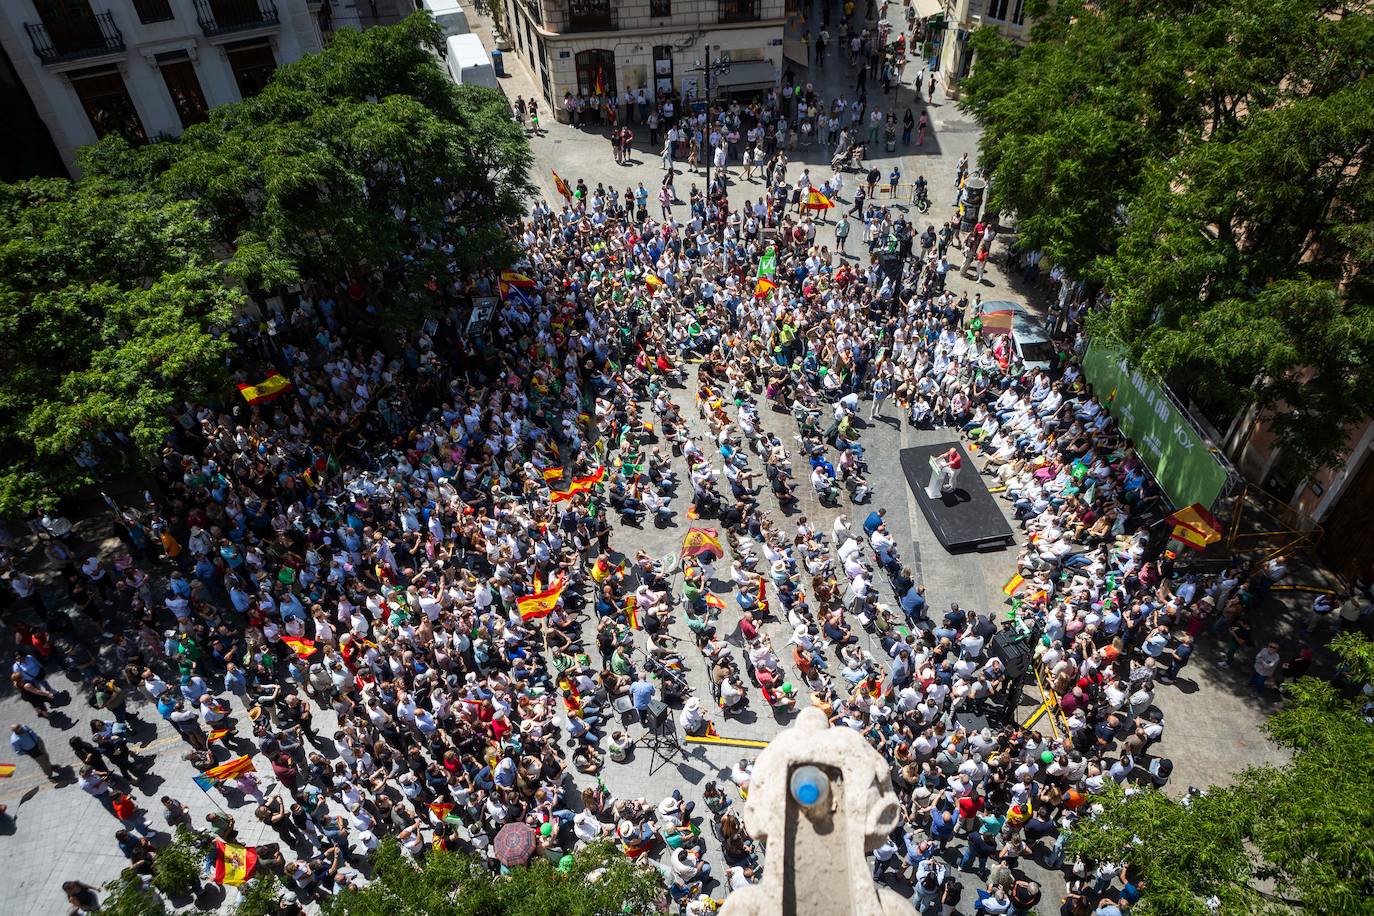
(1013, 584)
(653, 282)
(440, 809)
(562, 186)
(632, 611)
(715, 601)
(234, 864)
(552, 474)
(265, 390)
(304, 648)
(763, 286)
(220, 734)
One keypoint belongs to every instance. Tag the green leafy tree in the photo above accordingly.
(179, 866)
(599, 882)
(260, 897)
(126, 896)
(1208, 162)
(110, 297)
(1299, 836)
(364, 161)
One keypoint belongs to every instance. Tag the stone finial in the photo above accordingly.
(822, 799)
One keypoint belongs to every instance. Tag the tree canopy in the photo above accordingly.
(1208, 162)
(598, 881)
(109, 301)
(1300, 836)
(364, 161)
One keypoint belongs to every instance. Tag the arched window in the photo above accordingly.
(595, 73)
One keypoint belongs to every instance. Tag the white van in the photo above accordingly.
(468, 62)
(450, 16)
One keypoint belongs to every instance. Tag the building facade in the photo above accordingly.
(591, 47)
(950, 27)
(148, 69)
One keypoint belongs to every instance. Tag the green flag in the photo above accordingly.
(768, 264)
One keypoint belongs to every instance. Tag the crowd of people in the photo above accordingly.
(423, 544)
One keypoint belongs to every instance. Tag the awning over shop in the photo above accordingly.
(927, 8)
(748, 74)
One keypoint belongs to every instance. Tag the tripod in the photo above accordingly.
(661, 740)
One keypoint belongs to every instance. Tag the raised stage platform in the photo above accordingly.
(965, 518)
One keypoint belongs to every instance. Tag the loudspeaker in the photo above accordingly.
(1013, 649)
(658, 713)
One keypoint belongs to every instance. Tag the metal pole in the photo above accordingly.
(707, 137)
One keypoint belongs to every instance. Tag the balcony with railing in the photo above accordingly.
(591, 16)
(740, 10)
(88, 34)
(225, 17)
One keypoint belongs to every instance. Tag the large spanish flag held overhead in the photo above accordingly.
(702, 540)
(1195, 526)
(234, 864)
(541, 604)
(265, 390)
(231, 770)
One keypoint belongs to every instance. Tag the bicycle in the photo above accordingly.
(921, 202)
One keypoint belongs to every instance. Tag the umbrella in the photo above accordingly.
(514, 844)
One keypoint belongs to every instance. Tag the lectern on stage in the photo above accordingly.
(953, 498)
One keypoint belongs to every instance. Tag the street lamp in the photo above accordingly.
(721, 66)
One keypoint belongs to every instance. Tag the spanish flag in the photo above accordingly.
(234, 865)
(6, 770)
(265, 390)
(552, 474)
(304, 648)
(559, 496)
(510, 280)
(763, 595)
(590, 480)
(600, 84)
(562, 186)
(572, 700)
(541, 604)
(440, 809)
(711, 730)
(715, 601)
(653, 282)
(234, 768)
(220, 734)
(632, 611)
(818, 201)
(1195, 526)
(763, 286)
(1013, 584)
(702, 540)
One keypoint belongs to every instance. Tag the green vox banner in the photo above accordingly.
(1182, 461)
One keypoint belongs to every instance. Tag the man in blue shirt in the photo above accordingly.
(25, 741)
(641, 695)
(875, 518)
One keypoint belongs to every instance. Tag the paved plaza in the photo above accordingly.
(55, 833)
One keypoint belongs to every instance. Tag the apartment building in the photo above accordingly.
(586, 47)
(147, 69)
(952, 25)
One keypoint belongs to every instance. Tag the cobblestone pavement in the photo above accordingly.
(56, 832)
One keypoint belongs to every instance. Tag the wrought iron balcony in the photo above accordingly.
(591, 16)
(85, 35)
(224, 17)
